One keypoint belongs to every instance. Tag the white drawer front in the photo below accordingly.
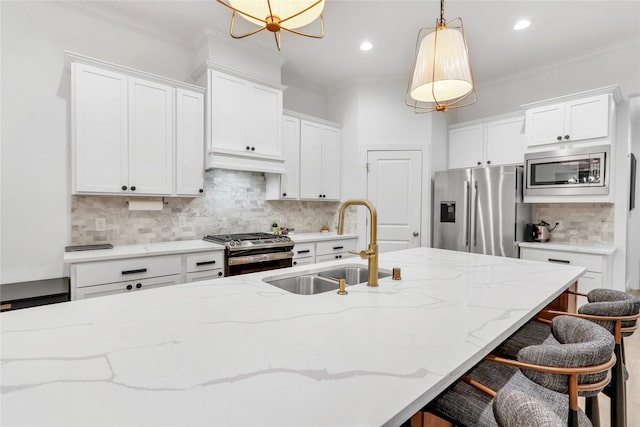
(96, 273)
(199, 276)
(335, 246)
(304, 250)
(122, 287)
(205, 261)
(334, 257)
(303, 261)
(592, 262)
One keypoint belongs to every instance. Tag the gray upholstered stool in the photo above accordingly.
(553, 373)
(514, 408)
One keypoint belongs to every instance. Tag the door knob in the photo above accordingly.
(416, 234)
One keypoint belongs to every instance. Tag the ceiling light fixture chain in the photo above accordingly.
(441, 76)
(278, 15)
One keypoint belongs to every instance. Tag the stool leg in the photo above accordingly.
(618, 391)
(592, 409)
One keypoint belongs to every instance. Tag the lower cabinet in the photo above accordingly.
(332, 250)
(100, 278)
(598, 274)
(304, 254)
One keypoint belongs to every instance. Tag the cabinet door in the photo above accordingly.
(228, 112)
(290, 180)
(330, 163)
(587, 118)
(545, 124)
(505, 142)
(264, 120)
(99, 123)
(189, 142)
(150, 137)
(310, 160)
(465, 147)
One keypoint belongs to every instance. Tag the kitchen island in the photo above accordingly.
(238, 351)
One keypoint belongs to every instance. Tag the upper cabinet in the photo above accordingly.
(134, 133)
(245, 124)
(489, 142)
(584, 117)
(311, 150)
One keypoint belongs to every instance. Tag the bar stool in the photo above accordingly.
(553, 374)
(514, 408)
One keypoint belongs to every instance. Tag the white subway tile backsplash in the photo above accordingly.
(234, 202)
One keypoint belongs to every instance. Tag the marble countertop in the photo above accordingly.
(140, 250)
(317, 237)
(570, 247)
(238, 351)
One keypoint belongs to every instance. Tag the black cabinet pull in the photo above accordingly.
(201, 191)
(138, 285)
(335, 248)
(205, 263)
(306, 251)
(129, 287)
(219, 273)
(133, 188)
(563, 261)
(338, 256)
(140, 270)
(124, 188)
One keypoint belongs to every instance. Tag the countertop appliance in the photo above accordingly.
(574, 171)
(480, 210)
(250, 252)
(537, 232)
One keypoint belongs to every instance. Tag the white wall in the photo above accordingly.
(305, 101)
(35, 131)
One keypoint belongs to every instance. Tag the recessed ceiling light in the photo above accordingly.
(365, 46)
(522, 24)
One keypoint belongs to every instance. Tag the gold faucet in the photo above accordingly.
(370, 254)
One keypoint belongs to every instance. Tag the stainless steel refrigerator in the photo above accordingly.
(480, 210)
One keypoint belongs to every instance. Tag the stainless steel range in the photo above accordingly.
(250, 252)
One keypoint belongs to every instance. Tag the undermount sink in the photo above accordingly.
(317, 281)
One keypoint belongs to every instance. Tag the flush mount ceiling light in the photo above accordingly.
(365, 46)
(276, 15)
(441, 76)
(522, 24)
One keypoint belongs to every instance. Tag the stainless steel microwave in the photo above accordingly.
(568, 172)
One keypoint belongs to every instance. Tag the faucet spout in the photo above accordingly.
(370, 254)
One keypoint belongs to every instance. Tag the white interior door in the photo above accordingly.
(394, 186)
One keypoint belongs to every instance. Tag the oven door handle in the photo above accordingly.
(253, 259)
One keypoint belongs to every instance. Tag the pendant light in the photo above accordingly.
(276, 15)
(441, 76)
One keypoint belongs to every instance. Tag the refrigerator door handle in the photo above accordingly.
(474, 214)
(466, 208)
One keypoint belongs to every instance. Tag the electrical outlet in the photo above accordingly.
(101, 224)
(182, 220)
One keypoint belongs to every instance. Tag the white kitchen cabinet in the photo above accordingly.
(150, 137)
(331, 250)
(319, 161)
(123, 287)
(489, 142)
(587, 118)
(286, 186)
(189, 142)
(598, 265)
(304, 254)
(245, 124)
(204, 266)
(123, 136)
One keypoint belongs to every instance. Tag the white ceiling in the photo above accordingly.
(561, 30)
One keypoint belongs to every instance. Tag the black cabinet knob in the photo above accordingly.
(124, 188)
(559, 138)
(488, 162)
(479, 163)
(284, 194)
(295, 262)
(566, 137)
(319, 196)
(219, 273)
(133, 188)
(201, 191)
(253, 148)
(129, 287)
(138, 285)
(248, 148)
